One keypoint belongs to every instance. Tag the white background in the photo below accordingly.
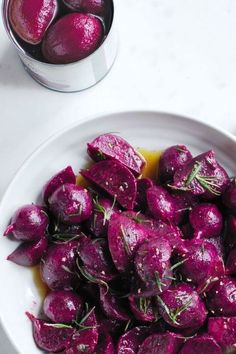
(174, 55)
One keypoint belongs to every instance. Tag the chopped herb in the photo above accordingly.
(174, 266)
(65, 237)
(158, 281)
(126, 244)
(80, 324)
(207, 283)
(144, 304)
(173, 314)
(57, 325)
(91, 278)
(127, 325)
(106, 212)
(196, 168)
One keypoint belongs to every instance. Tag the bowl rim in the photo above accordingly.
(94, 118)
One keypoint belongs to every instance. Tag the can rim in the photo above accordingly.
(12, 38)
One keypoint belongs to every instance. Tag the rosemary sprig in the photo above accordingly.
(57, 325)
(144, 304)
(158, 281)
(173, 314)
(80, 323)
(207, 283)
(208, 184)
(176, 265)
(65, 237)
(91, 278)
(127, 325)
(126, 244)
(196, 168)
(106, 212)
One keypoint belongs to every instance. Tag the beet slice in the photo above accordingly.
(168, 343)
(50, 337)
(30, 19)
(59, 264)
(112, 306)
(115, 179)
(221, 299)
(171, 160)
(201, 344)
(86, 338)
(29, 253)
(64, 176)
(223, 330)
(130, 341)
(105, 344)
(124, 237)
(143, 308)
(202, 176)
(181, 307)
(161, 204)
(96, 259)
(110, 146)
(63, 306)
(152, 265)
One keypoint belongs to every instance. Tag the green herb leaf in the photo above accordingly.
(196, 168)
(91, 278)
(124, 238)
(176, 265)
(158, 281)
(57, 325)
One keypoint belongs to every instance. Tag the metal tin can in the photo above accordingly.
(70, 77)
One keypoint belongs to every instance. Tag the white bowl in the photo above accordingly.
(150, 130)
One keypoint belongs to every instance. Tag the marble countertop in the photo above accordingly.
(177, 56)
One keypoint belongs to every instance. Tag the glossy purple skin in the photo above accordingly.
(29, 223)
(110, 146)
(73, 37)
(29, 253)
(201, 344)
(143, 184)
(49, 338)
(64, 176)
(96, 259)
(229, 197)
(105, 344)
(206, 220)
(71, 204)
(152, 264)
(179, 296)
(115, 179)
(141, 313)
(59, 264)
(223, 329)
(231, 262)
(185, 201)
(124, 237)
(95, 7)
(221, 299)
(130, 341)
(161, 204)
(168, 343)
(172, 159)
(98, 221)
(112, 306)
(202, 262)
(230, 237)
(85, 341)
(209, 167)
(63, 306)
(30, 19)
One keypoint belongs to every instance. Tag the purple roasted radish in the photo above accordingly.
(231, 262)
(110, 146)
(200, 345)
(86, 338)
(161, 204)
(223, 330)
(103, 209)
(58, 266)
(221, 299)
(143, 308)
(112, 306)
(201, 264)
(130, 342)
(124, 237)
(96, 260)
(95, 7)
(30, 19)
(73, 37)
(206, 220)
(202, 176)
(229, 197)
(70, 203)
(152, 265)
(63, 306)
(29, 223)
(168, 343)
(64, 176)
(143, 184)
(29, 253)
(181, 307)
(115, 179)
(105, 344)
(50, 337)
(172, 159)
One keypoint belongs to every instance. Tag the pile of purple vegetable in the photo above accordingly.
(134, 265)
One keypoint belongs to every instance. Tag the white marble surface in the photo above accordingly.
(176, 56)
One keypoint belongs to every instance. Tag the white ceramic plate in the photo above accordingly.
(150, 130)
